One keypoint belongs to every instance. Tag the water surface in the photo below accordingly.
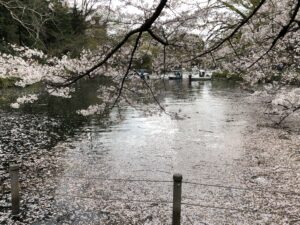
(202, 140)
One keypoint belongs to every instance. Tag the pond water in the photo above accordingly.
(119, 169)
(205, 132)
(203, 142)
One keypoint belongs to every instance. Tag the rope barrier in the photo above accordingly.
(252, 211)
(114, 199)
(187, 182)
(242, 188)
(118, 179)
(177, 195)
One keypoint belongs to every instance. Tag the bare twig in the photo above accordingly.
(288, 114)
(128, 68)
(154, 97)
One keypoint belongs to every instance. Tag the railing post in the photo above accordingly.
(177, 178)
(15, 189)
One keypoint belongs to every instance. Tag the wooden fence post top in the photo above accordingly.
(177, 177)
(15, 188)
(14, 167)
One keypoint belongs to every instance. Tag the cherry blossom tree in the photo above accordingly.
(257, 40)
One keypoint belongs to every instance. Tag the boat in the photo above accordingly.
(143, 74)
(177, 75)
(200, 75)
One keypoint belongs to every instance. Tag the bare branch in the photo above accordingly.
(287, 115)
(128, 68)
(154, 97)
(157, 38)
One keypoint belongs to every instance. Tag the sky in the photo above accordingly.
(184, 4)
(121, 6)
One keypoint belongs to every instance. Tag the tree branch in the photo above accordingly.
(284, 30)
(157, 38)
(144, 27)
(231, 35)
(128, 68)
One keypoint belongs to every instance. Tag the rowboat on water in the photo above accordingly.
(200, 75)
(176, 76)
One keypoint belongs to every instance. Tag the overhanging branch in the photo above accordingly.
(231, 35)
(284, 30)
(144, 27)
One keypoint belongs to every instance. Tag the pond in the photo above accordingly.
(119, 169)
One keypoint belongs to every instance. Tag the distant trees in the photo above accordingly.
(49, 25)
(20, 22)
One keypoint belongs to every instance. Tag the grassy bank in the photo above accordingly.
(8, 82)
(227, 75)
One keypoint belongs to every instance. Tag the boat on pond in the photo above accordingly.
(177, 75)
(200, 75)
(143, 74)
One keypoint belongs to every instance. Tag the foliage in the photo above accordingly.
(255, 40)
(8, 82)
(49, 25)
(227, 75)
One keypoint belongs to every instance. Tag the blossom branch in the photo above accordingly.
(284, 30)
(144, 27)
(231, 35)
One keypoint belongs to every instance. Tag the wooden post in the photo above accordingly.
(177, 178)
(190, 78)
(15, 189)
